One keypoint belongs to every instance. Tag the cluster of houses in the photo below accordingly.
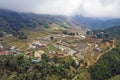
(58, 54)
(37, 54)
(14, 51)
(4, 52)
(97, 48)
(1, 46)
(82, 37)
(37, 44)
(97, 34)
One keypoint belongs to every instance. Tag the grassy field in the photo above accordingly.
(117, 77)
(83, 75)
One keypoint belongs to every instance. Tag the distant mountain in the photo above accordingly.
(109, 23)
(12, 22)
(113, 31)
(95, 23)
(86, 21)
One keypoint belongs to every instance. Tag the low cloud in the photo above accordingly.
(89, 8)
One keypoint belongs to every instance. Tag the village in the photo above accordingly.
(67, 43)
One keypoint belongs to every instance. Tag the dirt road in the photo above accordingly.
(113, 46)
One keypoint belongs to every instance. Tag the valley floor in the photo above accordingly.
(80, 47)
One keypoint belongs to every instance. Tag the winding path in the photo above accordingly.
(113, 46)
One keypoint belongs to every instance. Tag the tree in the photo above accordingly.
(107, 66)
(1, 34)
(51, 38)
(22, 36)
(55, 59)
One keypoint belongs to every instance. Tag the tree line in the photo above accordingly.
(20, 67)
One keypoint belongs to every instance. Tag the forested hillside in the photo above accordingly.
(113, 32)
(22, 68)
(12, 22)
(109, 64)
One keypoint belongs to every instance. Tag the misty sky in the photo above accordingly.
(89, 8)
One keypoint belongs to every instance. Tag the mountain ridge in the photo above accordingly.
(95, 23)
(14, 21)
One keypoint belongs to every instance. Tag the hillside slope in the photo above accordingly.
(108, 65)
(95, 23)
(109, 23)
(12, 22)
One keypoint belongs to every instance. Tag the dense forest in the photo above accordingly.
(20, 67)
(107, 67)
(109, 64)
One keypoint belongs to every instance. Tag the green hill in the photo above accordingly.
(12, 22)
(109, 64)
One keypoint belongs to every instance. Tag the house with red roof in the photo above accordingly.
(4, 52)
